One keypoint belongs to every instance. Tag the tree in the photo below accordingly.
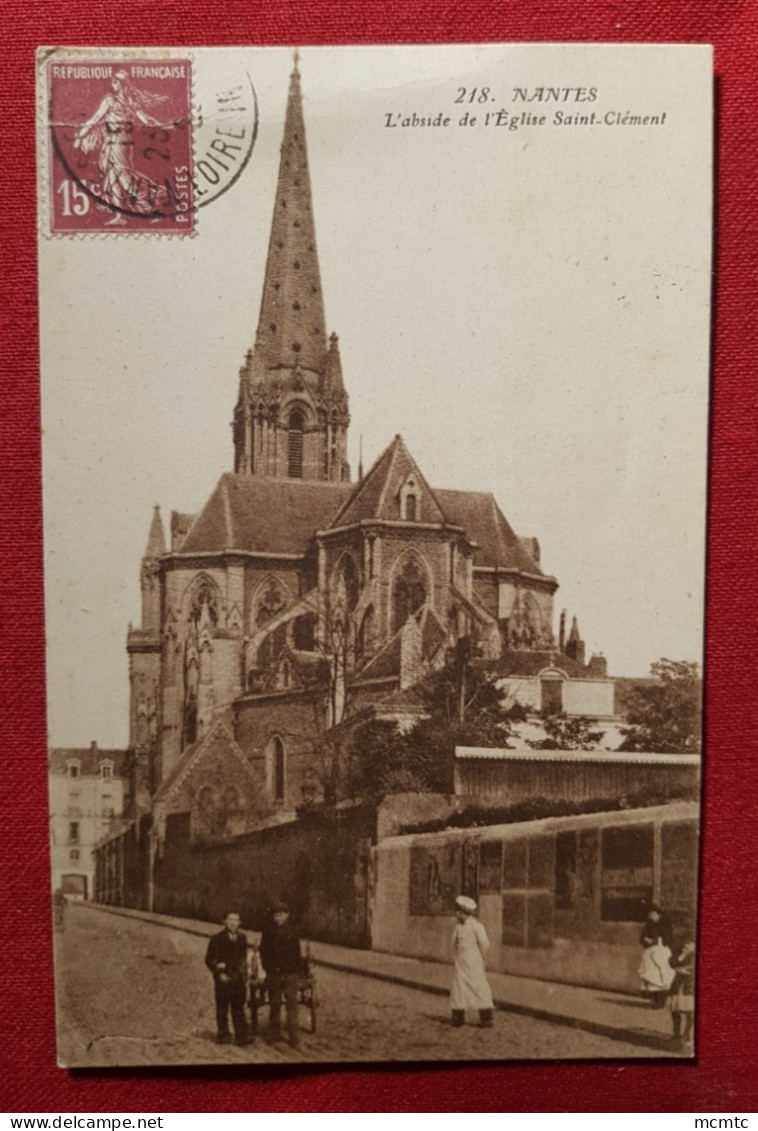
(664, 716)
(463, 706)
(564, 733)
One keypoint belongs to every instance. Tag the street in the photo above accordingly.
(132, 992)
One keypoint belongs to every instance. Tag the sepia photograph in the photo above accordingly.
(375, 419)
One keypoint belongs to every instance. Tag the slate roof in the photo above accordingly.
(376, 494)
(264, 515)
(280, 516)
(90, 759)
(484, 523)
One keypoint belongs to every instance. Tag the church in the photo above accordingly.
(300, 597)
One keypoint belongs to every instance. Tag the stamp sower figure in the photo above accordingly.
(280, 955)
(470, 987)
(226, 958)
(111, 131)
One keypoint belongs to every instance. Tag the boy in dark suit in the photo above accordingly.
(226, 958)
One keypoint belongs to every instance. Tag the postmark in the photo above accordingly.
(121, 145)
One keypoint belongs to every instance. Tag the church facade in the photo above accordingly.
(297, 597)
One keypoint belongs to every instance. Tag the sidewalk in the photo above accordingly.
(619, 1016)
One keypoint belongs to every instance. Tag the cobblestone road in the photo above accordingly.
(132, 992)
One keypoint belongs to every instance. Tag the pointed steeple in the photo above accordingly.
(291, 326)
(156, 539)
(333, 383)
(575, 644)
(292, 416)
(149, 575)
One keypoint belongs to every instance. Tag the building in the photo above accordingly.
(561, 899)
(297, 598)
(88, 795)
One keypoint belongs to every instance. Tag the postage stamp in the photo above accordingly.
(121, 145)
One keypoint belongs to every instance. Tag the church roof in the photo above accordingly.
(376, 496)
(484, 523)
(280, 516)
(276, 516)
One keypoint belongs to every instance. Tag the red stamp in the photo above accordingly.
(120, 146)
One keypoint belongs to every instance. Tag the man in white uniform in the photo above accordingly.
(470, 987)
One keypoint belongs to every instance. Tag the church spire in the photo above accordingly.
(156, 539)
(292, 416)
(149, 575)
(291, 325)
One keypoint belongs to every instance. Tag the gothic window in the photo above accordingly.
(191, 691)
(190, 722)
(276, 768)
(349, 573)
(231, 798)
(304, 633)
(365, 641)
(333, 453)
(410, 503)
(295, 444)
(73, 769)
(204, 601)
(206, 802)
(409, 594)
(106, 770)
(272, 647)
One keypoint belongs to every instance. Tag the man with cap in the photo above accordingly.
(280, 955)
(470, 987)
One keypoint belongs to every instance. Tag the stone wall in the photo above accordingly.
(320, 865)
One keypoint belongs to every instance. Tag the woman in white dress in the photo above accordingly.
(470, 988)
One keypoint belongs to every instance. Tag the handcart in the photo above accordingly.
(258, 996)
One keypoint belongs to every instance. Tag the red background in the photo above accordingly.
(724, 1077)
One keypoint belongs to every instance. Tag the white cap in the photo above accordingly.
(466, 903)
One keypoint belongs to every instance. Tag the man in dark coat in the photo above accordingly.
(226, 958)
(280, 955)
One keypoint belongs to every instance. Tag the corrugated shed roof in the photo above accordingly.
(609, 757)
(263, 515)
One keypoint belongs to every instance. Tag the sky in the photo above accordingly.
(527, 307)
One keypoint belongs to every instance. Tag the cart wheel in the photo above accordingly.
(309, 1001)
(254, 1005)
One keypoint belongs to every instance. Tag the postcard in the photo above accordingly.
(375, 401)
